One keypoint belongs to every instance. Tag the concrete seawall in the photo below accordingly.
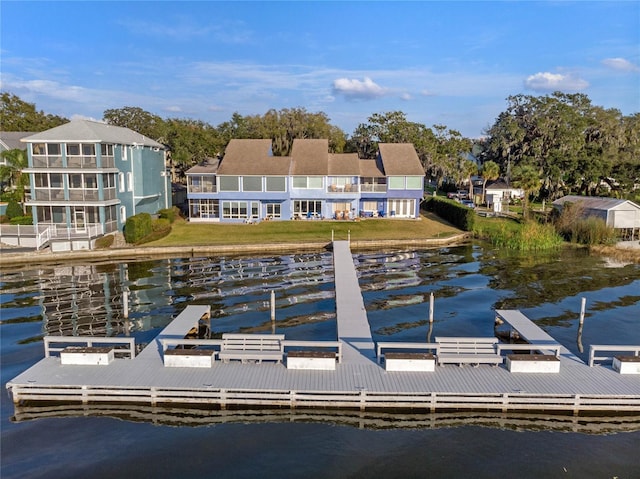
(9, 258)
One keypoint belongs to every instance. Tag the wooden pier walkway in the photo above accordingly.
(357, 382)
(353, 326)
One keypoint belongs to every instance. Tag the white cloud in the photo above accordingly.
(358, 90)
(79, 116)
(620, 64)
(545, 81)
(406, 96)
(173, 109)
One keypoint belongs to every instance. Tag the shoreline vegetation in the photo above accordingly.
(193, 239)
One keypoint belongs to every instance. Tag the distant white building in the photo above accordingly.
(622, 215)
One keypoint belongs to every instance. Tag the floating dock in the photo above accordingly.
(358, 381)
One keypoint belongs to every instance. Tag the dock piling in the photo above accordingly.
(273, 305)
(582, 310)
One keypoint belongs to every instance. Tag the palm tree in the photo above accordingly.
(490, 172)
(15, 161)
(527, 178)
(469, 168)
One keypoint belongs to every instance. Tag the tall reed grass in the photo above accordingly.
(532, 236)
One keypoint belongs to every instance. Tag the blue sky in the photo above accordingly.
(451, 63)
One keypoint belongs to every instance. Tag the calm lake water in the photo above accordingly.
(468, 282)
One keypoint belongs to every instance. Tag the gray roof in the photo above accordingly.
(344, 164)
(594, 202)
(371, 168)
(252, 157)
(400, 159)
(86, 131)
(310, 157)
(10, 140)
(208, 167)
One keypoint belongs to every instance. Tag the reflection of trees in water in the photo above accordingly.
(536, 279)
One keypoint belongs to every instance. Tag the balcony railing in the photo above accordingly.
(348, 188)
(373, 188)
(82, 162)
(40, 161)
(202, 189)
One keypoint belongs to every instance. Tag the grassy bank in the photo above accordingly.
(197, 234)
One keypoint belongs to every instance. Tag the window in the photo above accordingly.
(125, 150)
(276, 183)
(42, 180)
(121, 182)
(307, 182)
(303, 207)
(59, 214)
(396, 182)
(39, 149)
(106, 149)
(53, 149)
(402, 208)
(415, 182)
(273, 210)
(89, 149)
(129, 181)
(369, 205)
(251, 183)
(234, 209)
(56, 180)
(123, 214)
(73, 149)
(109, 180)
(229, 183)
(75, 181)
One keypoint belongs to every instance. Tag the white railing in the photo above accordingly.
(128, 344)
(28, 236)
(372, 188)
(610, 348)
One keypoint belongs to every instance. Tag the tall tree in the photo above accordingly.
(138, 120)
(490, 171)
(527, 178)
(12, 171)
(18, 115)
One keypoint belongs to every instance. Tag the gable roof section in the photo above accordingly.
(595, 202)
(310, 158)
(344, 164)
(252, 158)
(11, 140)
(209, 167)
(92, 132)
(400, 159)
(371, 168)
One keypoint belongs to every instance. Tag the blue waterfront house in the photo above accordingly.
(250, 184)
(88, 177)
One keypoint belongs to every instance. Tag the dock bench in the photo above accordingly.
(467, 350)
(252, 347)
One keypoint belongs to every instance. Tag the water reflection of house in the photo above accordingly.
(89, 300)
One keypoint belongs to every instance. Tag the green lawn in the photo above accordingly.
(184, 233)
